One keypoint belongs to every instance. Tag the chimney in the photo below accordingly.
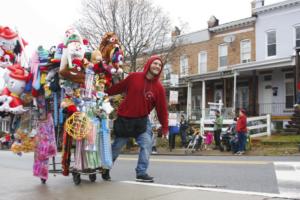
(257, 4)
(212, 22)
(175, 32)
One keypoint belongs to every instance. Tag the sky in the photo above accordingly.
(43, 22)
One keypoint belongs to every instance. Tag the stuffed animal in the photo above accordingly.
(112, 53)
(96, 57)
(71, 66)
(9, 97)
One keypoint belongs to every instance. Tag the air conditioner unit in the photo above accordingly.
(246, 60)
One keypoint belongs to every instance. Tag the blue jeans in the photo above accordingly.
(144, 141)
(242, 138)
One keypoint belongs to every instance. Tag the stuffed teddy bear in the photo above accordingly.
(9, 97)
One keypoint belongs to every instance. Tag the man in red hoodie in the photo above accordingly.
(241, 128)
(143, 93)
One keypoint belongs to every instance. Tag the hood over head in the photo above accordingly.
(149, 62)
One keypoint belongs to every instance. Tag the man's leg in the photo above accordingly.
(117, 145)
(183, 138)
(217, 138)
(144, 141)
(240, 142)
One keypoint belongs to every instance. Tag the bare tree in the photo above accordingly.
(140, 26)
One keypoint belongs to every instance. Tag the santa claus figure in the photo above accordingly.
(15, 84)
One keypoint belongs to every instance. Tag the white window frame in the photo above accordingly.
(219, 53)
(295, 35)
(184, 66)
(167, 68)
(202, 64)
(266, 43)
(242, 51)
(289, 80)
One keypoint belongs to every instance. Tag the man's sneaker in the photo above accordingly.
(105, 175)
(154, 152)
(144, 178)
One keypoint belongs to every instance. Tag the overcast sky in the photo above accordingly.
(43, 22)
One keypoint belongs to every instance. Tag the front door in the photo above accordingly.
(265, 107)
(243, 97)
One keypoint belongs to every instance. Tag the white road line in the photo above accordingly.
(273, 195)
(288, 178)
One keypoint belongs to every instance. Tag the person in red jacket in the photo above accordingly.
(241, 128)
(144, 92)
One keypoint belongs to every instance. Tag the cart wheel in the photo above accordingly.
(76, 178)
(92, 177)
(43, 181)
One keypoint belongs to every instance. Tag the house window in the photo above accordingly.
(289, 91)
(268, 78)
(271, 43)
(245, 51)
(167, 71)
(223, 52)
(202, 62)
(297, 31)
(184, 71)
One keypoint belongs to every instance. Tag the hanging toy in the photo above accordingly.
(78, 125)
(9, 97)
(112, 53)
(71, 66)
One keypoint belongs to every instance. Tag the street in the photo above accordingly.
(215, 177)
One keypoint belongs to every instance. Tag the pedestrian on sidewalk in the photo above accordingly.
(173, 131)
(241, 128)
(183, 128)
(218, 123)
(144, 92)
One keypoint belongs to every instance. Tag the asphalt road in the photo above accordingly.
(244, 174)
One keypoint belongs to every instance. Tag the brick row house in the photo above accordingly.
(248, 63)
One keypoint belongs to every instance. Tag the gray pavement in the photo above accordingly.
(17, 182)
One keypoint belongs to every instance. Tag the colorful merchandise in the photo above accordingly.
(45, 148)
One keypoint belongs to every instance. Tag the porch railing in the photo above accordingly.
(274, 109)
(252, 110)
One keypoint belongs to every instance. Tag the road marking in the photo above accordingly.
(288, 178)
(273, 195)
(237, 162)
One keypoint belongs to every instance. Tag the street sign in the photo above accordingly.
(173, 97)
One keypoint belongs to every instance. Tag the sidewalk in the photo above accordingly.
(266, 151)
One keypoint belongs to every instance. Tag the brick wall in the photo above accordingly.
(211, 47)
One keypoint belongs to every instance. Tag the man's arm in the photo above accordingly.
(120, 87)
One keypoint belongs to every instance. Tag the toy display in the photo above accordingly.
(60, 101)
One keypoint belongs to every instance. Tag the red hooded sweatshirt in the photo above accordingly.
(142, 95)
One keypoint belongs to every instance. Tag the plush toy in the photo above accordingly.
(102, 98)
(9, 44)
(112, 53)
(71, 66)
(96, 57)
(9, 97)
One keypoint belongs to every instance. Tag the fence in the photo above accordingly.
(257, 126)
